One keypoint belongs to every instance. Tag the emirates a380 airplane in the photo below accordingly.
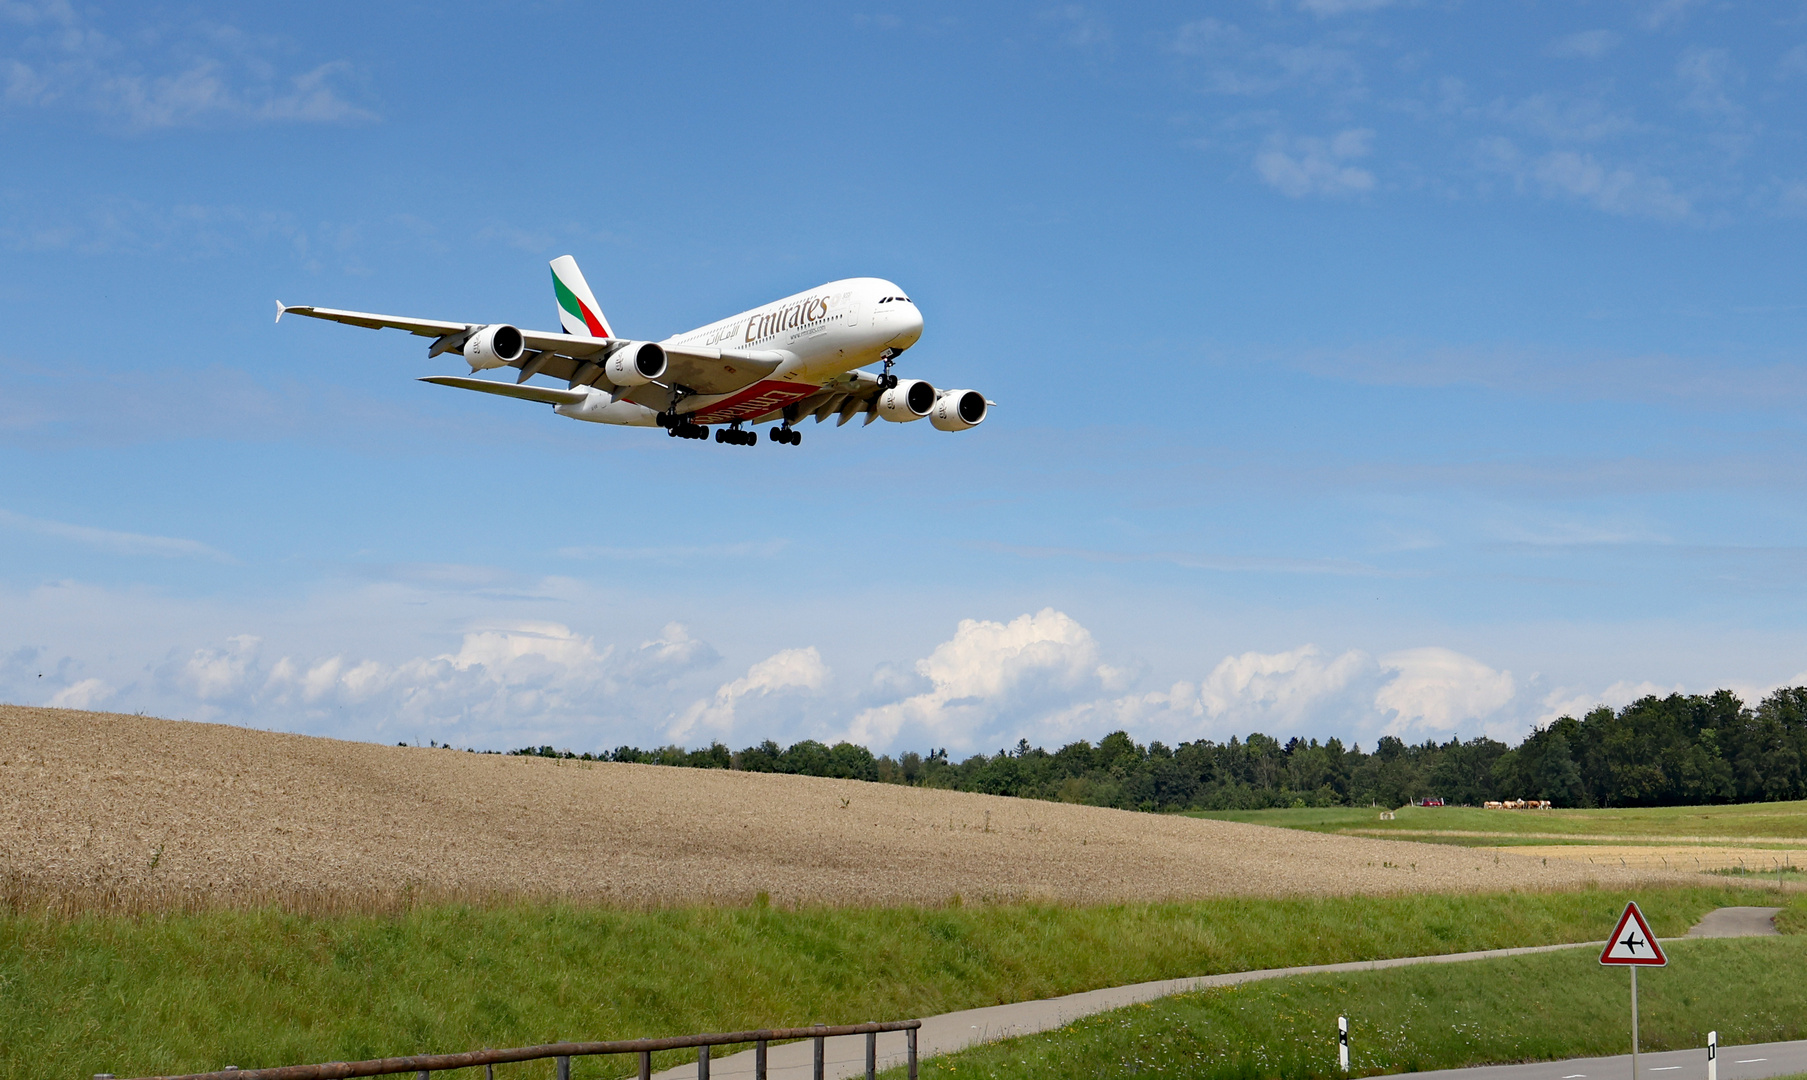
(776, 364)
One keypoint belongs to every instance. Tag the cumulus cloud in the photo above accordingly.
(1435, 691)
(1282, 690)
(987, 676)
(1312, 166)
(790, 670)
(1577, 702)
(85, 694)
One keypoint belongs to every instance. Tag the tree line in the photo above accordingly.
(1679, 750)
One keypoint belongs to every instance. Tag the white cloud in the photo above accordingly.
(160, 77)
(1585, 45)
(792, 669)
(1323, 8)
(120, 543)
(82, 695)
(1436, 690)
(1616, 190)
(1666, 13)
(1305, 166)
(1283, 690)
(985, 673)
(1576, 702)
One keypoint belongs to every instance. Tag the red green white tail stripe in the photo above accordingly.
(577, 309)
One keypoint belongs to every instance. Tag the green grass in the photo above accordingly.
(1438, 1016)
(175, 993)
(1747, 821)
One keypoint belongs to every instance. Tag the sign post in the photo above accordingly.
(1712, 1055)
(1342, 1041)
(1633, 945)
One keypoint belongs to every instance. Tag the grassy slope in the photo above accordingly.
(1526, 1008)
(1754, 821)
(178, 993)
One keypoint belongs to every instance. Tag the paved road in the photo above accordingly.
(1755, 1062)
(1737, 922)
(944, 1034)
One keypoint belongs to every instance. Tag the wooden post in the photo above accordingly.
(702, 1064)
(564, 1068)
(646, 1065)
(871, 1055)
(910, 1037)
(759, 1060)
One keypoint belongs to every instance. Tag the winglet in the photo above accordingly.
(280, 310)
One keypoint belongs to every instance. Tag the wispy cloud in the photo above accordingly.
(119, 543)
(1585, 45)
(1300, 166)
(1248, 564)
(155, 77)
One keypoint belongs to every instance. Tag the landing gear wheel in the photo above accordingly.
(796, 437)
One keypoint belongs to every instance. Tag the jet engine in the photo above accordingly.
(635, 364)
(493, 347)
(957, 410)
(910, 399)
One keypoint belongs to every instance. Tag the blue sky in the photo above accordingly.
(1363, 367)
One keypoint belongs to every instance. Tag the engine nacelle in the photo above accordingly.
(635, 364)
(910, 399)
(957, 410)
(493, 347)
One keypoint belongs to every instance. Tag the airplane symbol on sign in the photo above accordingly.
(1631, 941)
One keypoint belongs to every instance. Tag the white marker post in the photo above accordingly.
(1634, 946)
(1712, 1055)
(1342, 1041)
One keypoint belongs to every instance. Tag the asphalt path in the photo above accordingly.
(845, 1057)
(1755, 1062)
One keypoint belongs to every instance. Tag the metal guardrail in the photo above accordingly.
(423, 1065)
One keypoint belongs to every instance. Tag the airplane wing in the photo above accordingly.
(549, 395)
(570, 357)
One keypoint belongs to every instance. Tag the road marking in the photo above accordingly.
(1666, 1068)
(1747, 1061)
(1575, 1076)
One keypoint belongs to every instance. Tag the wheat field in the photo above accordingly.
(107, 811)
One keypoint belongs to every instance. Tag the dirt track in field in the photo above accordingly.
(151, 812)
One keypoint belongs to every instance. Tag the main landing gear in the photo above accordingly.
(681, 427)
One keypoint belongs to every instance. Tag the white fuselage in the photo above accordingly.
(822, 333)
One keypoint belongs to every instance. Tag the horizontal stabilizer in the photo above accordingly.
(548, 395)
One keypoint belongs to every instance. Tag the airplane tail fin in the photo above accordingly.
(577, 310)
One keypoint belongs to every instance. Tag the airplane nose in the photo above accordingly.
(909, 326)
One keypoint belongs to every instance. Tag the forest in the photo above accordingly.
(1680, 750)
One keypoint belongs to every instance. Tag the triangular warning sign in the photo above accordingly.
(1632, 942)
